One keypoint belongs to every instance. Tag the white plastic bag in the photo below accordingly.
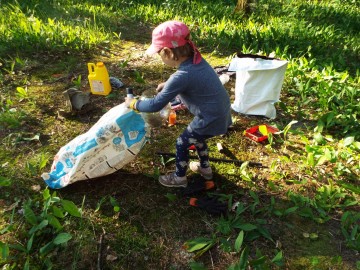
(106, 147)
(258, 84)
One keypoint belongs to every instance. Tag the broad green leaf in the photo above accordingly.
(4, 250)
(27, 264)
(240, 209)
(353, 188)
(254, 196)
(320, 126)
(197, 266)
(258, 261)
(39, 226)
(197, 243)
(71, 208)
(264, 232)
(252, 235)
(239, 240)
(47, 248)
(290, 210)
(205, 249)
(22, 92)
(357, 145)
(30, 215)
(62, 238)
(29, 243)
(243, 262)
(53, 221)
(46, 193)
(225, 245)
(171, 197)
(54, 199)
(18, 247)
(318, 137)
(234, 267)
(98, 205)
(113, 201)
(57, 212)
(247, 227)
(115, 204)
(278, 258)
(5, 182)
(310, 159)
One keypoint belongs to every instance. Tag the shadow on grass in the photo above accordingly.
(161, 221)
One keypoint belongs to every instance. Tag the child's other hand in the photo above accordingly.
(128, 101)
(160, 87)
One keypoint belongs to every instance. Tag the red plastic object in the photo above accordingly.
(192, 147)
(254, 133)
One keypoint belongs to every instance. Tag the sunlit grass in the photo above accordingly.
(314, 168)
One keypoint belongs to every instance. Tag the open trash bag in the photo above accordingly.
(258, 83)
(109, 145)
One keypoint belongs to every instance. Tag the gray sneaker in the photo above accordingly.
(171, 180)
(205, 172)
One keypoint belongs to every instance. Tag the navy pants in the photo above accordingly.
(183, 142)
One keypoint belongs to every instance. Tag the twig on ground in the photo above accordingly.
(99, 257)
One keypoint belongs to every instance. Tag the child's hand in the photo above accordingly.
(128, 101)
(160, 87)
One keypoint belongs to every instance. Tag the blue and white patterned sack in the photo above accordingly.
(109, 145)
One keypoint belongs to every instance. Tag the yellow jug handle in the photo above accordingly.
(91, 67)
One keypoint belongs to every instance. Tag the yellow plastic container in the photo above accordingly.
(99, 79)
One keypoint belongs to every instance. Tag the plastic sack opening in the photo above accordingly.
(258, 84)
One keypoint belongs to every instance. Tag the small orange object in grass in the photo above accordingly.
(172, 118)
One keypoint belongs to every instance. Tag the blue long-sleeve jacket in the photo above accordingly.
(203, 94)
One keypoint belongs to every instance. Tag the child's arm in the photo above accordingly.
(160, 87)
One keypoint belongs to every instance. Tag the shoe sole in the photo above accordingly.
(169, 185)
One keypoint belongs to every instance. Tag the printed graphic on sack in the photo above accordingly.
(106, 147)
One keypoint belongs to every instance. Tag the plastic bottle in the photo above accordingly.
(129, 92)
(172, 118)
(99, 79)
(153, 119)
(164, 113)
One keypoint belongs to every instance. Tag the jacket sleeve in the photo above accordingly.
(176, 84)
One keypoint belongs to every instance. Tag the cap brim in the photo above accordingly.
(151, 50)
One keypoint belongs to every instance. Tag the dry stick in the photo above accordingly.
(99, 261)
(235, 161)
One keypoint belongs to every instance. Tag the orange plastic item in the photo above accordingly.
(192, 201)
(260, 133)
(209, 185)
(172, 118)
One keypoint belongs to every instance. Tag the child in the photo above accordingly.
(199, 88)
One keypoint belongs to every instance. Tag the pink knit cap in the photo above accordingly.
(172, 34)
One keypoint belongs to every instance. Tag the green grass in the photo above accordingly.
(301, 212)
